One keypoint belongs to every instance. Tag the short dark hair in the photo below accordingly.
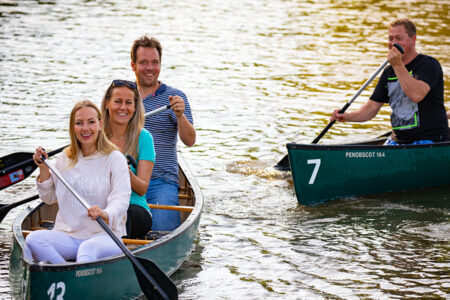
(409, 26)
(145, 41)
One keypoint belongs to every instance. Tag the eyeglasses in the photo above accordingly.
(119, 82)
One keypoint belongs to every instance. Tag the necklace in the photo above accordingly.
(122, 138)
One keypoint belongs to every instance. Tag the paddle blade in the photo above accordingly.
(15, 168)
(3, 212)
(159, 276)
(5, 208)
(283, 164)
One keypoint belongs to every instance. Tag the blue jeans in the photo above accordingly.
(390, 141)
(163, 192)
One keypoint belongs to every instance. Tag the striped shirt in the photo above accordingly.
(164, 129)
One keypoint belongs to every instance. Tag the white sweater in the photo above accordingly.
(101, 180)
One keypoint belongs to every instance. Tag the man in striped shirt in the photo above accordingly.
(163, 188)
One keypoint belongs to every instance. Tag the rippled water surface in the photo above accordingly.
(258, 74)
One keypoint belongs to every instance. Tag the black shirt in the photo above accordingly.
(411, 121)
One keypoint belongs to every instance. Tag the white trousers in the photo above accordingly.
(58, 247)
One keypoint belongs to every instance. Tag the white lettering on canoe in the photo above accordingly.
(364, 154)
(88, 272)
(58, 290)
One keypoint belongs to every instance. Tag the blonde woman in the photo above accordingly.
(123, 122)
(99, 173)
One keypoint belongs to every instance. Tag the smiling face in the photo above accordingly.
(147, 66)
(86, 128)
(121, 106)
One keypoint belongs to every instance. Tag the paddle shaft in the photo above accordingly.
(102, 223)
(347, 105)
(283, 164)
(158, 110)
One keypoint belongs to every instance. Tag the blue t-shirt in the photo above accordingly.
(146, 152)
(164, 129)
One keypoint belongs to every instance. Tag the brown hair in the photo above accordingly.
(145, 41)
(134, 126)
(409, 26)
(103, 144)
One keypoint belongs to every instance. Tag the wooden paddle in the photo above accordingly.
(283, 164)
(155, 284)
(17, 166)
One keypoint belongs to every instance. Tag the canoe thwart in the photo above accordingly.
(171, 207)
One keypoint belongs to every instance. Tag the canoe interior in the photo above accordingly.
(44, 216)
(110, 277)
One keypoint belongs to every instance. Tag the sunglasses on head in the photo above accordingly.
(119, 82)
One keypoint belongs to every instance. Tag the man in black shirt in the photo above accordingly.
(413, 85)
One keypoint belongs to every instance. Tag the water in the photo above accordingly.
(258, 74)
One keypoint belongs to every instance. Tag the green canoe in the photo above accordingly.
(325, 172)
(109, 278)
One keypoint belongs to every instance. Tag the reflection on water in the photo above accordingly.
(259, 74)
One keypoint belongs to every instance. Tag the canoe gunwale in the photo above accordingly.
(363, 145)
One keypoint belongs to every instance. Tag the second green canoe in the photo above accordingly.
(325, 172)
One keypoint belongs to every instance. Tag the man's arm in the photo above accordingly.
(185, 129)
(414, 89)
(365, 113)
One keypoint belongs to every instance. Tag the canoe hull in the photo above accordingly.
(109, 278)
(325, 172)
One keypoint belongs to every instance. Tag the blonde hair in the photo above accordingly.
(103, 144)
(134, 126)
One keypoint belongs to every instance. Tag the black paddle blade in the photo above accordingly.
(5, 208)
(15, 167)
(159, 276)
(283, 164)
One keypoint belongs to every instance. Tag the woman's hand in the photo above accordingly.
(37, 157)
(44, 171)
(96, 211)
